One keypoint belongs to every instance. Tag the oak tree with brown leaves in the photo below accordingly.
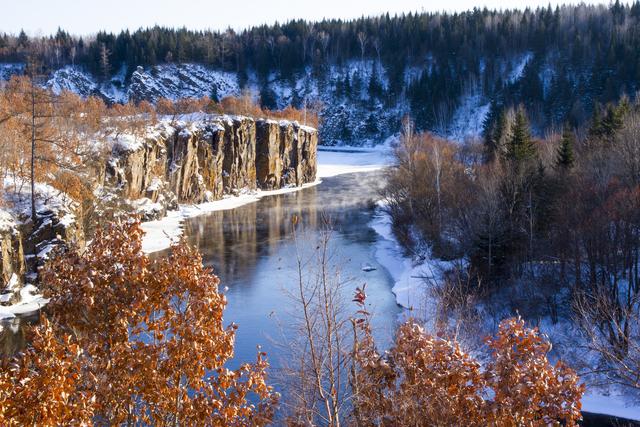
(430, 380)
(43, 386)
(149, 342)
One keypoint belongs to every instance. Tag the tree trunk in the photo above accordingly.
(33, 154)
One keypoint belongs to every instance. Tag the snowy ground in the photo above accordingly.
(16, 299)
(411, 287)
(412, 277)
(331, 162)
(334, 161)
(30, 301)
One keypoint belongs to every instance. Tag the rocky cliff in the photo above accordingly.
(11, 250)
(205, 159)
(193, 161)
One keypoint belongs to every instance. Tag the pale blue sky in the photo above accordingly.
(87, 17)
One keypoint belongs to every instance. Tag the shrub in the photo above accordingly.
(425, 377)
(133, 341)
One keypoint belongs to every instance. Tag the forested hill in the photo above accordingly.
(445, 70)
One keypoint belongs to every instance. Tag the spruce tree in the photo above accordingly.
(499, 134)
(375, 86)
(494, 131)
(521, 147)
(214, 93)
(596, 129)
(565, 157)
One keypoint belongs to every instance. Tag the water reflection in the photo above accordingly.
(252, 250)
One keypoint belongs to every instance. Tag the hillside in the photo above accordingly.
(446, 71)
(357, 117)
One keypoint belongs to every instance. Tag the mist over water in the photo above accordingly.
(253, 250)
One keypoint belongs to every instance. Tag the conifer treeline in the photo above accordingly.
(580, 54)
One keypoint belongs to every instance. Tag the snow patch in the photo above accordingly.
(7, 222)
(334, 161)
(160, 234)
(413, 277)
(48, 199)
(468, 119)
(517, 67)
(28, 299)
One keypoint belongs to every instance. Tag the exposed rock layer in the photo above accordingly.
(12, 259)
(219, 155)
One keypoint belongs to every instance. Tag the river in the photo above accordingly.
(253, 250)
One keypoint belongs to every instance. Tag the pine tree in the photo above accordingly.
(565, 157)
(375, 86)
(214, 93)
(494, 131)
(499, 134)
(596, 129)
(521, 147)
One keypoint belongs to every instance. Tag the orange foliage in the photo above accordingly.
(244, 105)
(247, 105)
(527, 388)
(424, 378)
(151, 341)
(62, 126)
(44, 385)
(430, 378)
(308, 117)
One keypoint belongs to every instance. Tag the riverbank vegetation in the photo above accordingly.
(548, 227)
(129, 341)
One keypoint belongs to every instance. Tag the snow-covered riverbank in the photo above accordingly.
(412, 279)
(331, 162)
(28, 296)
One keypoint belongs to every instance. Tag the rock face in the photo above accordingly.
(211, 157)
(194, 162)
(239, 165)
(25, 244)
(286, 154)
(134, 167)
(11, 250)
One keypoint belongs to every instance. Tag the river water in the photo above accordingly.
(254, 252)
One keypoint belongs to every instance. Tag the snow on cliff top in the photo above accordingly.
(188, 124)
(7, 222)
(18, 194)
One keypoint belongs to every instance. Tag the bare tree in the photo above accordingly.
(39, 116)
(362, 40)
(320, 359)
(324, 39)
(105, 64)
(612, 331)
(376, 45)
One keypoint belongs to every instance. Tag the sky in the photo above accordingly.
(84, 17)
